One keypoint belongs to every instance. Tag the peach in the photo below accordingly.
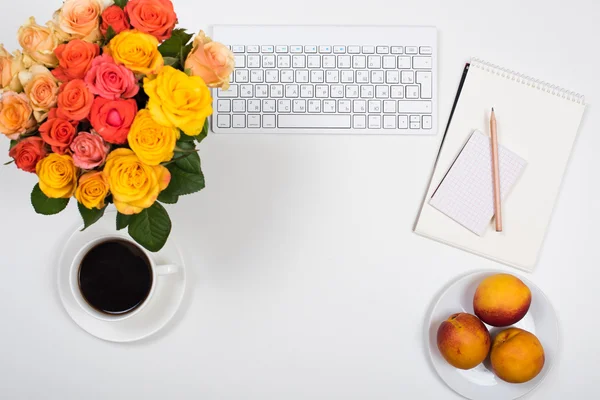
(501, 300)
(463, 340)
(517, 356)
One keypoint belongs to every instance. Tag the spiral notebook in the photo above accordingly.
(537, 121)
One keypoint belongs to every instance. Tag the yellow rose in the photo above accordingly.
(58, 175)
(137, 51)
(16, 115)
(41, 88)
(178, 100)
(78, 19)
(134, 185)
(92, 190)
(38, 42)
(152, 143)
(10, 66)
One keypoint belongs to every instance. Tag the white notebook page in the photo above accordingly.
(535, 123)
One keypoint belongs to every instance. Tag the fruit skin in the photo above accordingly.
(463, 340)
(517, 356)
(501, 300)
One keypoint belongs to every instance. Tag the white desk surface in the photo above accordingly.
(306, 279)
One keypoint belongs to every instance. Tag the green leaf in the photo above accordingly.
(45, 205)
(121, 3)
(172, 61)
(151, 227)
(188, 71)
(185, 138)
(89, 216)
(184, 52)
(190, 163)
(168, 198)
(173, 46)
(13, 143)
(110, 33)
(122, 221)
(200, 137)
(9, 162)
(184, 182)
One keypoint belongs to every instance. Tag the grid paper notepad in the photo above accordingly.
(466, 194)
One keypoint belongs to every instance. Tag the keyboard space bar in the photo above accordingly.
(315, 121)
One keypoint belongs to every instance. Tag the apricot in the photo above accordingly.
(517, 356)
(463, 340)
(501, 300)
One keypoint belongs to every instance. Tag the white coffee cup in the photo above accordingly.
(157, 272)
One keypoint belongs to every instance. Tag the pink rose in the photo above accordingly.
(89, 150)
(109, 80)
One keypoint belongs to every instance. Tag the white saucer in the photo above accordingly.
(160, 308)
(480, 382)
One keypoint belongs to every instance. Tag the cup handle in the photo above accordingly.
(167, 269)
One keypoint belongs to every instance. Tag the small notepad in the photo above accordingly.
(466, 194)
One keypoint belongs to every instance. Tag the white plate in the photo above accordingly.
(160, 308)
(480, 382)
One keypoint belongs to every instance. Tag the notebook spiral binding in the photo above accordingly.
(529, 81)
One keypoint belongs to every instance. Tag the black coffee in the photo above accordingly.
(115, 277)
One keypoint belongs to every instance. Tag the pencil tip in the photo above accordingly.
(492, 109)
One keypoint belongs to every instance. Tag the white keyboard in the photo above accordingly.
(328, 79)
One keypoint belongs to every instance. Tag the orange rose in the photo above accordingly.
(115, 17)
(58, 132)
(211, 61)
(154, 17)
(41, 88)
(38, 42)
(79, 19)
(74, 100)
(28, 152)
(113, 118)
(16, 115)
(74, 59)
(10, 66)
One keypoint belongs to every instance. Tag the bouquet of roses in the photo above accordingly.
(106, 104)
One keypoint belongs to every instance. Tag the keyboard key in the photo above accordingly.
(362, 76)
(404, 62)
(314, 106)
(389, 122)
(314, 61)
(224, 121)
(317, 76)
(329, 106)
(359, 106)
(253, 61)
(268, 61)
(332, 76)
(240, 61)
(239, 105)
(237, 49)
(261, 91)
(276, 91)
(253, 49)
(267, 49)
(224, 106)
(392, 77)
(397, 92)
(325, 49)
(344, 106)
(415, 125)
(382, 92)
(329, 61)
(302, 75)
(269, 121)
(246, 90)
(306, 91)
(414, 118)
(299, 106)
(397, 50)
(322, 121)
(299, 61)
(374, 121)
(424, 79)
(411, 50)
(268, 106)
(359, 62)
(347, 77)
(368, 49)
(376, 76)
(281, 49)
(291, 91)
(407, 77)
(389, 62)
(339, 49)
(412, 92)
(337, 91)
(425, 50)
(403, 122)
(296, 49)
(272, 75)
(415, 106)
(344, 62)
(422, 62)
(239, 121)
(374, 62)
(257, 76)
(231, 92)
(254, 121)
(321, 91)
(367, 91)
(353, 49)
(389, 106)
(351, 91)
(287, 75)
(374, 106)
(359, 121)
(427, 122)
(253, 106)
(284, 106)
(383, 49)
(284, 61)
(310, 49)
